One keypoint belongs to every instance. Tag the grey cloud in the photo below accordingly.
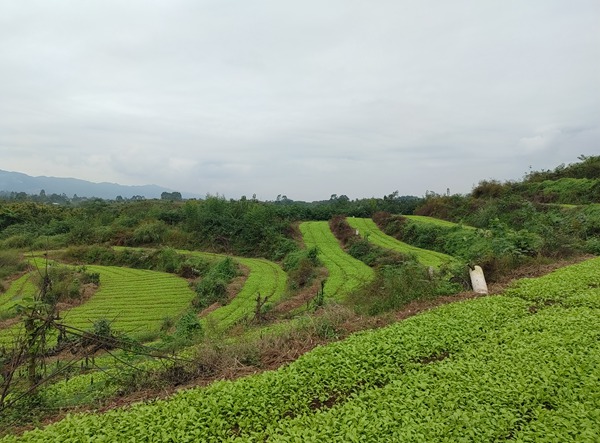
(305, 99)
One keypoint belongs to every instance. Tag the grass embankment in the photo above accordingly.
(345, 272)
(436, 222)
(368, 229)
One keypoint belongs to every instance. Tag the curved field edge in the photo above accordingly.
(368, 229)
(18, 288)
(265, 278)
(345, 272)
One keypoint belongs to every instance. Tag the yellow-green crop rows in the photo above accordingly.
(345, 272)
(136, 300)
(489, 369)
(21, 287)
(266, 278)
(367, 228)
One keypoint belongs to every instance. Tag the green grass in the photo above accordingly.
(367, 228)
(345, 272)
(436, 221)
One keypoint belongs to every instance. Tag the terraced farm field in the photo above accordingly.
(345, 272)
(18, 289)
(266, 278)
(489, 369)
(136, 301)
(367, 227)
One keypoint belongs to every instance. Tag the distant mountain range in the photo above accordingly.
(18, 182)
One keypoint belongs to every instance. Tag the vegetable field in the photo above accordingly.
(345, 272)
(135, 300)
(576, 285)
(489, 369)
(367, 228)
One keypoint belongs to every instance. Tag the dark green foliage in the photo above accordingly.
(163, 259)
(587, 167)
(213, 286)
(149, 233)
(374, 255)
(65, 283)
(497, 249)
(342, 230)
(188, 326)
(301, 267)
(563, 191)
(490, 189)
(395, 286)
(293, 259)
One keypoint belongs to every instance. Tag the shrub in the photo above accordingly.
(301, 267)
(213, 287)
(341, 229)
(396, 286)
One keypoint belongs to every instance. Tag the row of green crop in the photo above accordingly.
(345, 272)
(534, 380)
(576, 285)
(135, 300)
(266, 279)
(249, 407)
(491, 369)
(23, 286)
(368, 229)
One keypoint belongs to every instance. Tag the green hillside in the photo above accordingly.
(368, 229)
(491, 369)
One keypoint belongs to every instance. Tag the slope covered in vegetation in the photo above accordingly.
(489, 369)
(135, 301)
(500, 226)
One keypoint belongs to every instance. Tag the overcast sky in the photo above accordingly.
(303, 98)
